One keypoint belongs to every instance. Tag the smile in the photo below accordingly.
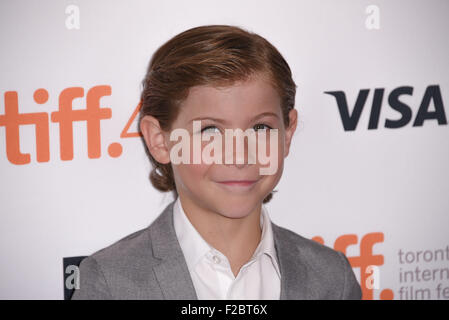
(238, 185)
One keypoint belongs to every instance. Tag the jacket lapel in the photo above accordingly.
(172, 272)
(174, 277)
(293, 270)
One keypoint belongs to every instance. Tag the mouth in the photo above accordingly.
(238, 185)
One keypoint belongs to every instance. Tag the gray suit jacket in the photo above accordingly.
(149, 264)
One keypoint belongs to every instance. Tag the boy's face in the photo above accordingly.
(252, 104)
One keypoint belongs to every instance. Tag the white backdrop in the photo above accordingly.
(390, 182)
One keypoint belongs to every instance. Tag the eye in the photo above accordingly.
(261, 126)
(210, 129)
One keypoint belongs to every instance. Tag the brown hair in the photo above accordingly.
(215, 55)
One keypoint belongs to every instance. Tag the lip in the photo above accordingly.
(238, 185)
(238, 182)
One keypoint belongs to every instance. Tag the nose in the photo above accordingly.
(242, 152)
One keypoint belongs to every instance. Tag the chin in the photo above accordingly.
(236, 207)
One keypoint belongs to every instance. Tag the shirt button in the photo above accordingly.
(216, 259)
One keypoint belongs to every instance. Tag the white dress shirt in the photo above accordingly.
(211, 272)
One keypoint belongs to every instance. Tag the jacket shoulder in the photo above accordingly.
(137, 247)
(127, 247)
(329, 273)
(123, 269)
(315, 255)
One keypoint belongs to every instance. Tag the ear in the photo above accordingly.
(293, 119)
(155, 139)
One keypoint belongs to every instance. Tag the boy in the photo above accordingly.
(216, 240)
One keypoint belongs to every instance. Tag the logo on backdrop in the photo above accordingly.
(350, 120)
(422, 274)
(93, 115)
(367, 262)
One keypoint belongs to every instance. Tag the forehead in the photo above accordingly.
(243, 98)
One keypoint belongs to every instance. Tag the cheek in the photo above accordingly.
(190, 174)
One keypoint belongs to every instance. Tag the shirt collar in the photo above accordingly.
(192, 243)
(266, 244)
(195, 247)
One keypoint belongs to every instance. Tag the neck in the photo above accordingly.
(226, 234)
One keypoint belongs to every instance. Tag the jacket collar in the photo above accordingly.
(173, 275)
(172, 272)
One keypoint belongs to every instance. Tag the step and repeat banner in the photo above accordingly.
(368, 172)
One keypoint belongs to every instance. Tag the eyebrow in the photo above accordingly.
(264, 114)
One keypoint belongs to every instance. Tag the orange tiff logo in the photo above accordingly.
(367, 262)
(64, 116)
